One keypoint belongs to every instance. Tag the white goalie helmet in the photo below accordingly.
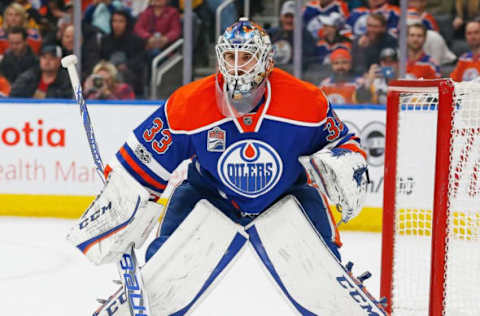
(245, 60)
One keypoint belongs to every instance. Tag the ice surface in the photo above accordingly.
(42, 274)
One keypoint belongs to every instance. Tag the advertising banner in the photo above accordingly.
(44, 149)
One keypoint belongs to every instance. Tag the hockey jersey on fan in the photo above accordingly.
(313, 10)
(323, 48)
(252, 159)
(424, 67)
(357, 21)
(425, 18)
(344, 92)
(467, 69)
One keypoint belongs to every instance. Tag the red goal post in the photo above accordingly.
(431, 208)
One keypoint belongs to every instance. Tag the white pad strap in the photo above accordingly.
(302, 265)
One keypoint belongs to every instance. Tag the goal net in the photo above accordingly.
(431, 223)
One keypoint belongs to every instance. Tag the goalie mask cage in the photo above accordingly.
(431, 217)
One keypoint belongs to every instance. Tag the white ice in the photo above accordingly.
(41, 274)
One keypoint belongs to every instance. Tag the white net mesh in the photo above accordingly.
(414, 203)
(463, 247)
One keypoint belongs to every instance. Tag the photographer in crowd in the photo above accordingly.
(104, 84)
(379, 75)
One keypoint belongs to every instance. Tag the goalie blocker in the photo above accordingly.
(121, 214)
(285, 241)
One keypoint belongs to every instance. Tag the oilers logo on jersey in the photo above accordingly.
(250, 167)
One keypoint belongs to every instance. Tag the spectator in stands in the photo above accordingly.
(15, 15)
(19, 56)
(420, 65)
(379, 75)
(366, 49)
(90, 34)
(316, 9)
(32, 15)
(103, 84)
(136, 6)
(465, 10)
(468, 65)
(113, 45)
(90, 55)
(331, 37)
(99, 14)
(357, 20)
(435, 45)
(341, 87)
(159, 25)
(50, 12)
(47, 80)
(418, 7)
(282, 39)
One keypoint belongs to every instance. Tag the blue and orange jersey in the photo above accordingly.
(253, 159)
(357, 21)
(425, 18)
(34, 40)
(467, 69)
(313, 10)
(323, 49)
(344, 92)
(424, 67)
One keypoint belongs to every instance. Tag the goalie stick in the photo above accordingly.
(127, 266)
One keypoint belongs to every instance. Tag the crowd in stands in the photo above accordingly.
(349, 48)
(119, 39)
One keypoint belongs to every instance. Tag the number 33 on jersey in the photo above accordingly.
(253, 159)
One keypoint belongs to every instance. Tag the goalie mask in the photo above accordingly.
(245, 59)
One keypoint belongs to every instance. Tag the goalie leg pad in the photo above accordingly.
(183, 200)
(187, 264)
(191, 259)
(315, 206)
(302, 265)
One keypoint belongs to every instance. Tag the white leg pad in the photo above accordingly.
(184, 265)
(299, 260)
(192, 258)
